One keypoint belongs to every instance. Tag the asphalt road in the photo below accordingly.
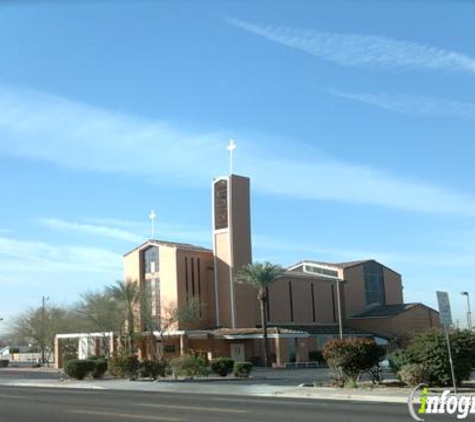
(18, 404)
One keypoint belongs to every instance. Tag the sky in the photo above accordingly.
(354, 120)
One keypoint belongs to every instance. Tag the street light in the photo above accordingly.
(469, 312)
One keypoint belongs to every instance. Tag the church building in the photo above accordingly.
(313, 302)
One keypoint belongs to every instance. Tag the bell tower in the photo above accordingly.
(235, 302)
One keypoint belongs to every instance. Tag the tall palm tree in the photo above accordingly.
(261, 276)
(128, 294)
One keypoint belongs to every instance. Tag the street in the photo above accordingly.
(19, 404)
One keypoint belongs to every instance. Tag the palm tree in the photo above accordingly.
(128, 294)
(261, 276)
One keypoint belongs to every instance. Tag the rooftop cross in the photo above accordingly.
(152, 217)
(231, 147)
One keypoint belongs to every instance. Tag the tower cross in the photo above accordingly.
(152, 217)
(231, 147)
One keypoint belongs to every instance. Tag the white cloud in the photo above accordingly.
(99, 230)
(29, 256)
(413, 105)
(358, 50)
(77, 136)
(128, 230)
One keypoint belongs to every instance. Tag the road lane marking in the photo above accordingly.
(248, 400)
(197, 408)
(8, 396)
(129, 416)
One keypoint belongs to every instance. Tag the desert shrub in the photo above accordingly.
(151, 369)
(77, 369)
(398, 359)
(349, 358)
(222, 366)
(4, 363)
(242, 369)
(189, 365)
(430, 349)
(98, 367)
(413, 374)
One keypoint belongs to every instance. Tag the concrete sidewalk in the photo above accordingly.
(389, 395)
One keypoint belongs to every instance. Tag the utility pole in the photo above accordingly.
(43, 328)
(469, 312)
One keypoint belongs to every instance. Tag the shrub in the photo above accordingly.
(123, 366)
(151, 369)
(398, 359)
(348, 358)
(4, 363)
(222, 366)
(413, 374)
(99, 367)
(77, 369)
(242, 369)
(430, 349)
(189, 365)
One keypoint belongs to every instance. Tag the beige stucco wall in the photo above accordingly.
(199, 287)
(354, 290)
(415, 320)
(279, 301)
(392, 287)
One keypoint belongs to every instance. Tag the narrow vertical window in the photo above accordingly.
(186, 277)
(199, 278)
(333, 303)
(291, 302)
(268, 303)
(312, 287)
(192, 277)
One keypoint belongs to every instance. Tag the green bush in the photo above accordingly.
(349, 358)
(242, 369)
(123, 366)
(413, 374)
(398, 359)
(99, 367)
(430, 349)
(4, 363)
(189, 365)
(77, 369)
(151, 369)
(222, 366)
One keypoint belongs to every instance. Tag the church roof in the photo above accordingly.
(177, 245)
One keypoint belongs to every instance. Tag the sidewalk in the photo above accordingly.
(394, 395)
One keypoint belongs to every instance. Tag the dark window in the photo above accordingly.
(374, 283)
(312, 287)
(150, 259)
(186, 277)
(333, 303)
(268, 303)
(221, 204)
(291, 302)
(193, 277)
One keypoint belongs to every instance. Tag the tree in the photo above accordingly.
(39, 326)
(261, 276)
(127, 293)
(101, 312)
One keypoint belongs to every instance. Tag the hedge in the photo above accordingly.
(222, 366)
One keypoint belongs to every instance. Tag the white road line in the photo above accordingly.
(128, 416)
(196, 408)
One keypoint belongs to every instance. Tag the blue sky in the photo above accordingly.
(355, 121)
